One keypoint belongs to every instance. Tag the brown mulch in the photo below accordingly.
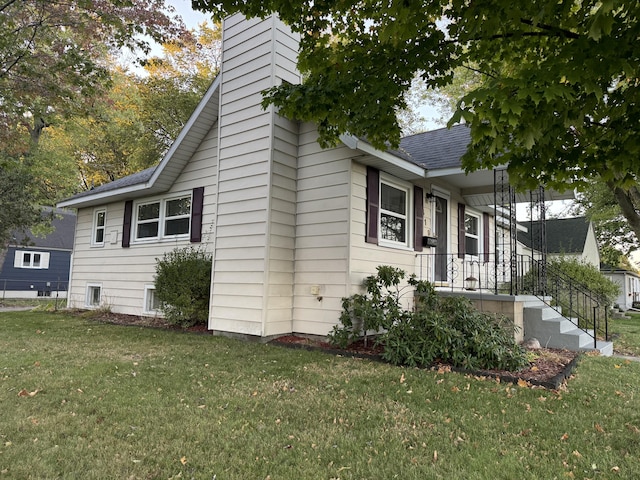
(549, 369)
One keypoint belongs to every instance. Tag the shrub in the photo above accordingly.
(446, 329)
(376, 310)
(182, 283)
(583, 274)
(587, 275)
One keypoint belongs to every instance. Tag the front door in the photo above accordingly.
(442, 247)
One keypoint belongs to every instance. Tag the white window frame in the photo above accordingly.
(407, 217)
(89, 295)
(149, 296)
(20, 259)
(97, 227)
(477, 236)
(162, 218)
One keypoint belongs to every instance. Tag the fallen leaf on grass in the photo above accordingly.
(523, 383)
(26, 393)
(564, 437)
(435, 456)
(633, 428)
(402, 378)
(183, 460)
(599, 428)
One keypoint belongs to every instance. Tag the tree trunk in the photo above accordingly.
(629, 201)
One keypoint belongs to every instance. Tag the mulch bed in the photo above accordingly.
(550, 368)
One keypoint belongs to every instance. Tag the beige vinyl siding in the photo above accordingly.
(253, 268)
(124, 272)
(366, 257)
(321, 233)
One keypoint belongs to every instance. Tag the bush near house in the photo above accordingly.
(587, 275)
(182, 282)
(445, 329)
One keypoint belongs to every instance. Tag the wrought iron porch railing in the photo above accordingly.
(469, 273)
(574, 300)
(519, 275)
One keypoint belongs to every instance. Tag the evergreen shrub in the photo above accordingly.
(449, 329)
(183, 283)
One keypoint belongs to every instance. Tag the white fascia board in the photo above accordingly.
(187, 128)
(99, 198)
(130, 190)
(355, 144)
(445, 172)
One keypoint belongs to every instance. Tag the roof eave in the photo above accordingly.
(151, 186)
(397, 166)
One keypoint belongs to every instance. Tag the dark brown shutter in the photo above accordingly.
(461, 231)
(485, 236)
(418, 207)
(196, 214)
(373, 204)
(126, 226)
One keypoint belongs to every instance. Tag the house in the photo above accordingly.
(36, 266)
(292, 228)
(629, 286)
(565, 237)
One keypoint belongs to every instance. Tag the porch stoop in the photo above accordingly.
(555, 331)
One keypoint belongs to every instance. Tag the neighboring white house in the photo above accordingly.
(629, 286)
(292, 228)
(565, 237)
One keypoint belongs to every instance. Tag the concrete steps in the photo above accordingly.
(555, 331)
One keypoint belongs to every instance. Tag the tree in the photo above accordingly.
(17, 206)
(132, 125)
(559, 104)
(615, 236)
(52, 56)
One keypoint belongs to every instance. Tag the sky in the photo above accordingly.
(191, 17)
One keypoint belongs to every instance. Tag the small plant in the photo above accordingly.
(182, 283)
(376, 310)
(445, 329)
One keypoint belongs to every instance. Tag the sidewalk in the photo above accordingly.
(15, 309)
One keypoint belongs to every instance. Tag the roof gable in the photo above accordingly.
(160, 178)
(61, 238)
(564, 235)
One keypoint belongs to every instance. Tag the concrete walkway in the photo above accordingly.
(15, 309)
(626, 357)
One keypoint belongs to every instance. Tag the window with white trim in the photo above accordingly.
(395, 207)
(151, 302)
(94, 295)
(163, 218)
(28, 259)
(99, 225)
(471, 234)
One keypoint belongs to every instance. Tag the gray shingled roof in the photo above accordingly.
(433, 150)
(129, 180)
(64, 225)
(437, 149)
(564, 235)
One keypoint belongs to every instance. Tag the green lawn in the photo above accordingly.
(93, 401)
(626, 334)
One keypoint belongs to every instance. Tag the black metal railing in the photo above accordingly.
(483, 272)
(573, 299)
(519, 275)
